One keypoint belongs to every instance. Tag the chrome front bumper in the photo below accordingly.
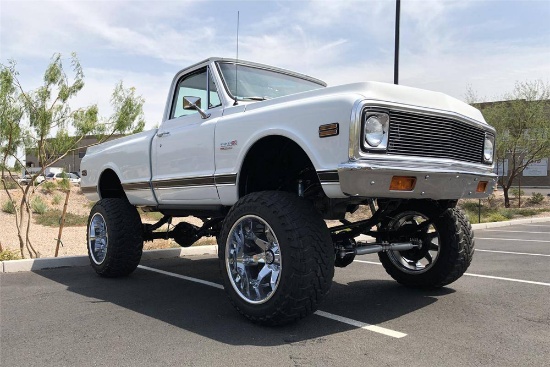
(435, 179)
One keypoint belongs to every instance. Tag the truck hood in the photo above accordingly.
(385, 92)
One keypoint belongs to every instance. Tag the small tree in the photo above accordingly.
(43, 120)
(522, 123)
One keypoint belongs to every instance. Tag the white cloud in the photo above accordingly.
(445, 45)
(100, 84)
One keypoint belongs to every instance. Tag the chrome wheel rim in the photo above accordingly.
(253, 259)
(97, 238)
(423, 258)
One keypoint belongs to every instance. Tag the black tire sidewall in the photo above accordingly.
(293, 276)
(125, 241)
(451, 249)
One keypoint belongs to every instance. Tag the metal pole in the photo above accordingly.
(479, 212)
(396, 59)
(519, 192)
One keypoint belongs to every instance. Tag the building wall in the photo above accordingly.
(71, 162)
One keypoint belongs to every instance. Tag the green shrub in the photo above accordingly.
(9, 183)
(52, 218)
(507, 213)
(536, 198)
(48, 186)
(8, 207)
(496, 217)
(470, 205)
(38, 205)
(57, 199)
(9, 255)
(516, 192)
(64, 184)
(527, 212)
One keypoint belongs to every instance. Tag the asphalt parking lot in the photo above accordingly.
(172, 312)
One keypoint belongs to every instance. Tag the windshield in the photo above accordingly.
(260, 84)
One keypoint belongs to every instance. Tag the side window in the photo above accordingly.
(198, 84)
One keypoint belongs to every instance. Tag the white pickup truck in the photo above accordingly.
(264, 155)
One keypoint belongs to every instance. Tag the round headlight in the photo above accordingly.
(488, 150)
(374, 131)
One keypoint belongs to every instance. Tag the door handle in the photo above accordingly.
(164, 133)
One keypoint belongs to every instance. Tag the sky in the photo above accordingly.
(446, 46)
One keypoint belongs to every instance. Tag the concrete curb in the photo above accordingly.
(509, 223)
(14, 266)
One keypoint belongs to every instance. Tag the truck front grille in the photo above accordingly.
(434, 136)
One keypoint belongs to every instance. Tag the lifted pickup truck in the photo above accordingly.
(263, 155)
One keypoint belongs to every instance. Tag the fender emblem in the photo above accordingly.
(228, 145)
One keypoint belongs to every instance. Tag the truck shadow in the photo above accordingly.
(206, 311)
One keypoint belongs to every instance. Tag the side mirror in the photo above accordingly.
(194, 103)
(191, 103)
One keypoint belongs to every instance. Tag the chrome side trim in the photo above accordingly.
(184, 182)
(230, 179)
(136, 186)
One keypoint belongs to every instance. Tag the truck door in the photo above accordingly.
(183, 149)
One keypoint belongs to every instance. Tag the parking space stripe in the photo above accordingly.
(509, 239)
(508, 279)
(205, 282)
(512, 253)
(367, 262)
(475, 275)
(495, 230)
(345, 320)
(362, 325)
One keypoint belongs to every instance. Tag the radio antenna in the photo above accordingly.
(237, 61)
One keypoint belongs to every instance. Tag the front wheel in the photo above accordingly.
(276, 257)
(445, 245)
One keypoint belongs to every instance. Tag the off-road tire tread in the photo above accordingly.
(452, 262)
(125, 245)
(306, 237)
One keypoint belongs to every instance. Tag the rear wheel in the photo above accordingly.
(114, 238)
(276, 257)
(445, 243)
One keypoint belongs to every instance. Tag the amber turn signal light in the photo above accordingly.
(402, 183)
(482, 186)
(329, 130)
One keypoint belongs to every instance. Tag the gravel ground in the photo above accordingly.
(44, 239)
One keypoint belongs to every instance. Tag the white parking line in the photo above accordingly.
(345, 320)
(509, 239)
(508, 279)
(512, 253)
(496, 230)
(205, 282)
(362, 325)
(475, 275)
(367, 262)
